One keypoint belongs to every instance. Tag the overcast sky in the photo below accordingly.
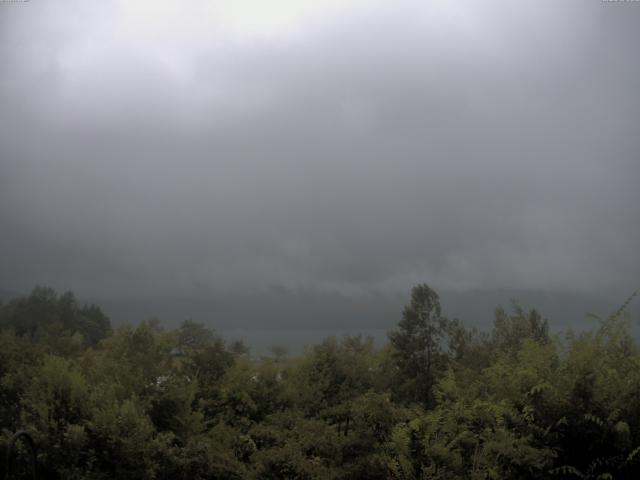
(193, 147)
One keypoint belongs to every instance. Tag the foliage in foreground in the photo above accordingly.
(439, 401)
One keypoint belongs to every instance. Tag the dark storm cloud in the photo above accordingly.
(480, 144)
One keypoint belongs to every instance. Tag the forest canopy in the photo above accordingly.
(438, 401)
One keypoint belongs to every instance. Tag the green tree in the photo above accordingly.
(59, 323)
(418, 345)
(509, 331)
(55, 407)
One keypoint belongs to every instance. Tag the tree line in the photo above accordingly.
(438, 401)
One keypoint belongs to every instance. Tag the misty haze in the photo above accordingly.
(227, 228)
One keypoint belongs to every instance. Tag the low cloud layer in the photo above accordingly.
(149, 148)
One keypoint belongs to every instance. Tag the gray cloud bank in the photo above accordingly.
(488, 144)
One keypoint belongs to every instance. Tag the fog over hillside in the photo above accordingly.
(296, 319)
(300, 165)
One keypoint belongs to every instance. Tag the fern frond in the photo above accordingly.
(567, 470)
(634, 453)
(625, 305)
(594, 419)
